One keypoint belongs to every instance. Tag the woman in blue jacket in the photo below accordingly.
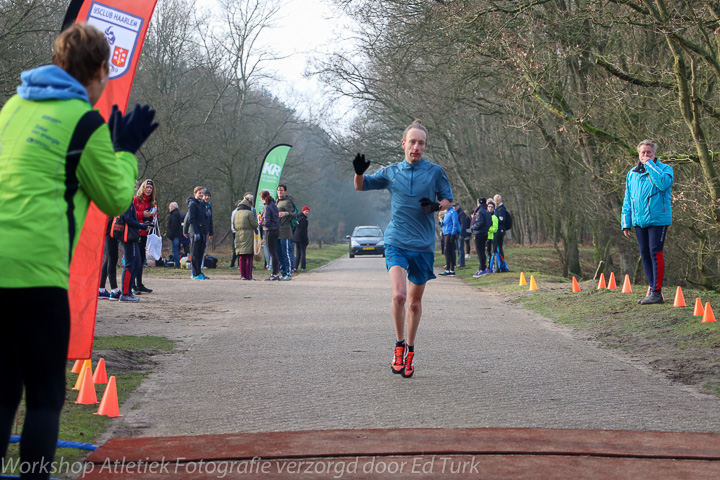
(647, 208)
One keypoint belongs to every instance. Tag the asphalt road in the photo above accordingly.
(314, 354)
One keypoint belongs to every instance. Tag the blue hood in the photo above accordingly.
(50, 82)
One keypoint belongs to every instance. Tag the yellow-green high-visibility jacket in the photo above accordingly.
(56, 155)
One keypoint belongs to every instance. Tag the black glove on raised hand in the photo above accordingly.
(360, 164)
(113, 120)
(130, 131)
(428, 206)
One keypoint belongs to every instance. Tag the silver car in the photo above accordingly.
(366, 240)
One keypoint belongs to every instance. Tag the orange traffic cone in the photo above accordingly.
(109, 402)
(100, 375)
(87, 393)
(533, 285)
(523, 282)
(77, 366)
(575, 286)
(627, 287)
(679, 298)
(708, 316)
(699, 310)
(611, 282)
(78, 382)
(601, 283)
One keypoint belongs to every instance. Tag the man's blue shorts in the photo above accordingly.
(419, 265)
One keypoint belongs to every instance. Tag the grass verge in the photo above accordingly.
(129, 359)
(666, 338)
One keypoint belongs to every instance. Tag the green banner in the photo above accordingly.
(270, 173)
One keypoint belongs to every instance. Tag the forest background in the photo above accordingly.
(543, 101)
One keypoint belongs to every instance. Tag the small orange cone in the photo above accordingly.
(533, 285)
(87, 393)
(611, 282)
(575, 286)
(601, 283)
(627, 287)
(77, 366)
(679, 298)
(699, 310)
(109, 402)
(100, 375)
(523, 282)
(78, 383)
(708, 316)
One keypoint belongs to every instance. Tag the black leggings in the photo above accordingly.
(449, 241)
(498, 243)
(142, 244)
(34, 350)
(109, 266)
(197, 247)
(480, 241)
(300, 256)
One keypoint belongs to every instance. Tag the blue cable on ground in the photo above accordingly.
(62, 444)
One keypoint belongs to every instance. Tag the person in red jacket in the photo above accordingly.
(146, 208)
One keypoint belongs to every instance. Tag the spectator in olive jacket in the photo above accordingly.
(286, 247)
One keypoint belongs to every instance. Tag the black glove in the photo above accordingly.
(113, 120)
(428, 206)
(130, 131)
(360, 164)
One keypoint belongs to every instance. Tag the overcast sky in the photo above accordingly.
(302, 29)
(305, 28)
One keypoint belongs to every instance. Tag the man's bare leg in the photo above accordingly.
(398, 280)
(405, 292)
(414, 310)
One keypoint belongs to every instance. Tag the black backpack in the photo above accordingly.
(508, 220)
(210, 261)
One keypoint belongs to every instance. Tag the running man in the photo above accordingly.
(414, 186)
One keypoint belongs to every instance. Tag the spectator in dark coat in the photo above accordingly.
(174, 232)
(131, 254)
(500, 213)
(271, 227)
(300, 237)
(195, 228)
(481, 223)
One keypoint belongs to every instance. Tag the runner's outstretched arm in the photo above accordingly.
(360, 165)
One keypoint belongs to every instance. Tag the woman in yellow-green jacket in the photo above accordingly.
(56, 155)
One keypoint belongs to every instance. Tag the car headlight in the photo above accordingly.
(354, 244)
(381, 243)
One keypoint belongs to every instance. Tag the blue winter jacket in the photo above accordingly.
(450, 224)
(647, 196)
